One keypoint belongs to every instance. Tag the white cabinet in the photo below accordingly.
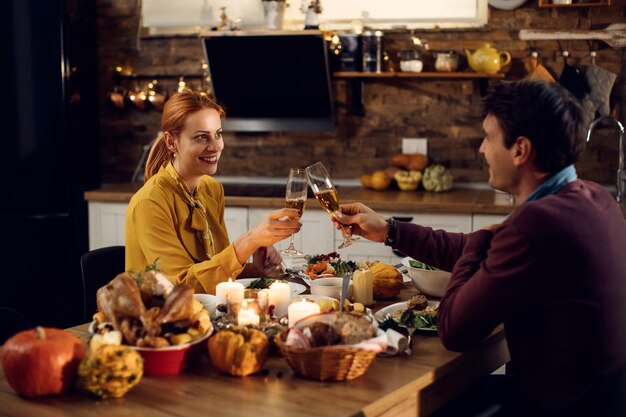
(364, 249)
(236, 219)
(316, 235)
(481, 220)
(107, 222)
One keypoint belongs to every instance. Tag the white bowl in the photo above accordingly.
(330, 287)
(208, 301)
(433, 283)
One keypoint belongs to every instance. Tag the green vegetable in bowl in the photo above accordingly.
(341, 267)
(261, 283)
(424, 320)
(421, 265)
(418, 319)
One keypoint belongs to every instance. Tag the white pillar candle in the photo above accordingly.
(362, 287)
(247, 316)
(300, 310)
(279, 297)
(223, 288)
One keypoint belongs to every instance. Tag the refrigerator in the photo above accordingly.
(50, 154)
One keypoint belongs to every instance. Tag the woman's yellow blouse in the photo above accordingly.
(158, 221)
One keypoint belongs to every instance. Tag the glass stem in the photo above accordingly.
(291, 244)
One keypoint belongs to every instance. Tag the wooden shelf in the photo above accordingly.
(548, 3)
(356, 80)
(448, 75)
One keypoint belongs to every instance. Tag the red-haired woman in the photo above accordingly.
(178, 214)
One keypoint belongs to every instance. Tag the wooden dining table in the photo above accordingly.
(401, 385)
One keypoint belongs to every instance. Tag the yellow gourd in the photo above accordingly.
(110, 371)
(387, 281)
(239, 351)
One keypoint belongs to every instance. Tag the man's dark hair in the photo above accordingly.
(546, 113)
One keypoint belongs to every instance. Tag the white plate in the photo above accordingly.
(295, 287)
(390, 309)
(506, 4)
(208, 301)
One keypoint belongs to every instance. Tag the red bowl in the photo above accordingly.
(171, 360)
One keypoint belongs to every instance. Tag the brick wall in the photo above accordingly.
(447, 112)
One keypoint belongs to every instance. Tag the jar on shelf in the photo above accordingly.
(446, 61)
(373, 52)
(410, 61)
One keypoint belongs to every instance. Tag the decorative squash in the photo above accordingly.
(41, 361)
(110, 371)
(437, 178)
(387, 281)
(239, 351)
(408, 180)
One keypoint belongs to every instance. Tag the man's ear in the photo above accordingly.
(523, 151)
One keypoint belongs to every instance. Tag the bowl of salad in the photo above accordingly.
(427, 279)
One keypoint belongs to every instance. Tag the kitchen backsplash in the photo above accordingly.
(445, 111)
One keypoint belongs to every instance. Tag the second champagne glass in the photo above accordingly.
(326, 194)
(295, 197)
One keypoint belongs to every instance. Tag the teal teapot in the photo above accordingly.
(487, 59)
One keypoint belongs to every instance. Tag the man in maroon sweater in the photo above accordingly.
(554, 272)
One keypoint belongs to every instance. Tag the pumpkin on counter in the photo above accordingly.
(42, 361)
(386, 281)
(239, 351)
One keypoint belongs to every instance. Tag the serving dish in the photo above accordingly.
(381, 314)
(295, 287)
(168, 360)
(430, 282)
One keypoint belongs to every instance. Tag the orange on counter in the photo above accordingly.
(380, 180)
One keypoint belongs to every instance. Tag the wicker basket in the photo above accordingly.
(325, 363)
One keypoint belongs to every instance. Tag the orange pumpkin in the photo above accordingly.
(239, 351)
(42, 361)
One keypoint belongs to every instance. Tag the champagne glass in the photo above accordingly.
(295, 197)
(326, 194)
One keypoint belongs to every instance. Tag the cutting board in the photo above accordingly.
(613, 35)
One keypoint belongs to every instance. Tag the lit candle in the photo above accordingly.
(223, 288)
(247, 316)
(300, 310)
(279, 297)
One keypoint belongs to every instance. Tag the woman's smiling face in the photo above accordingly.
(199, 146)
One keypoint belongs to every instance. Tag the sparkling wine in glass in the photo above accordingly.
(295, 198)
(326, 195)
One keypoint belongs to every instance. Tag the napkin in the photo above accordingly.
(396, 342)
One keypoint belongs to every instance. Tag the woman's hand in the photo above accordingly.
(363, 221)
(274, 227)
(266, 260)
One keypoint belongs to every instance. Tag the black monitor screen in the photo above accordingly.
(271, 82)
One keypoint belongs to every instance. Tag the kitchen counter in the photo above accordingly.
(459, 200)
